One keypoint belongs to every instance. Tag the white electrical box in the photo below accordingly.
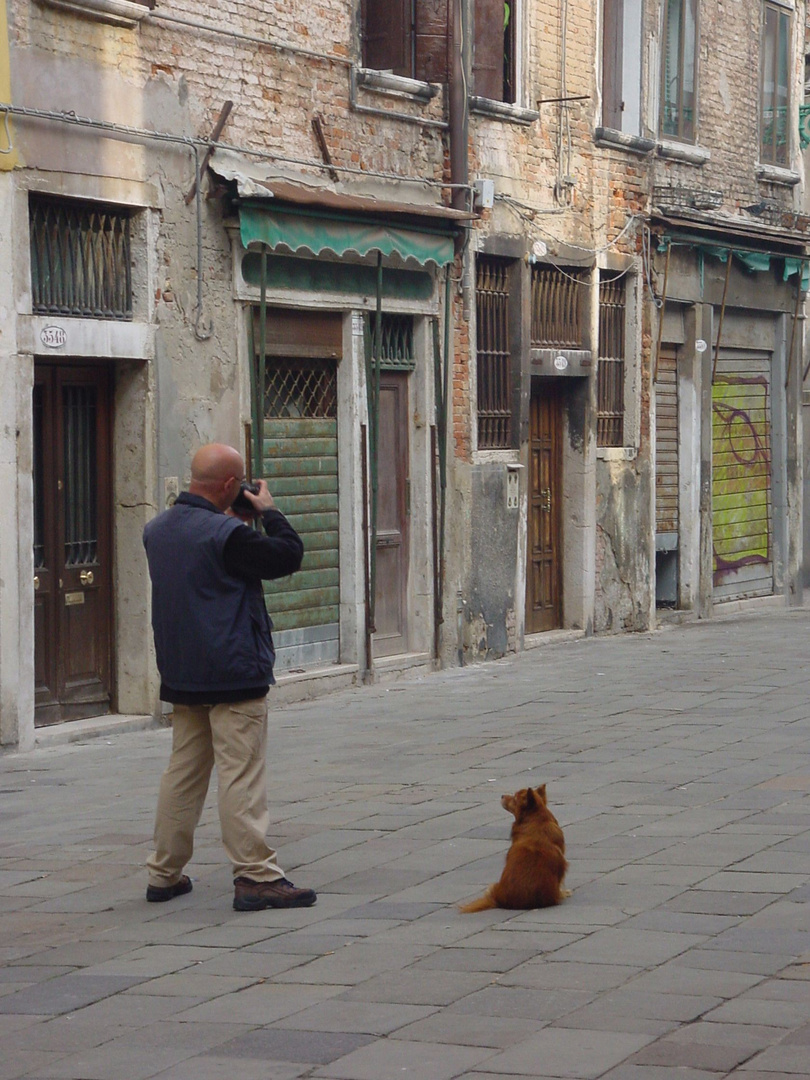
(512, 490)
(484, 194)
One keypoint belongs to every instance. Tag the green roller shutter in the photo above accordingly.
(300, 465)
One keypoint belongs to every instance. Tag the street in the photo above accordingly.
(678, 764)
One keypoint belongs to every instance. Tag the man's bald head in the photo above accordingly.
(216, 473)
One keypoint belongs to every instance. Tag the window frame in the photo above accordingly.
(679, 132)
(769, 152)
(484, 13)
(622, 64)
(486, 371)
(408, 28)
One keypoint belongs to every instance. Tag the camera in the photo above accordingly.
(240, 504)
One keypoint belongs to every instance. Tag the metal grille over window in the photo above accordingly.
(81, 527)
(80, 260)
(556, 308)
(610, 370)
(397, 343)
(300, 389)
(494, 359)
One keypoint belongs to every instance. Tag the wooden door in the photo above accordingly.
(544, 569)
(391, 592)
(72, 543)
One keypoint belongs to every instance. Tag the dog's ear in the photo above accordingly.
(530, 801)
(541, 794)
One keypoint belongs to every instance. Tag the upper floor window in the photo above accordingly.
(775, 87)
(621, 66)
(80, 259)
(610, 364)
(494, 353)
(679, 69)
(495, 50)
(406, 37)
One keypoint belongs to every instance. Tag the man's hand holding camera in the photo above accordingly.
(252, 501)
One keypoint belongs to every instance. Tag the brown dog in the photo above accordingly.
(535, 863)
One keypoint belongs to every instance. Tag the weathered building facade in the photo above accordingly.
(501, 298)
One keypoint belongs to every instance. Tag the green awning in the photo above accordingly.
(314, 233)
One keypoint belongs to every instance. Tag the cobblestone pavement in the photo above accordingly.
(678, 764)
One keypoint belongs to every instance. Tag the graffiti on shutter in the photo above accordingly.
(741, 479)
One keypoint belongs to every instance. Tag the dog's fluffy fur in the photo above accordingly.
(535, 863)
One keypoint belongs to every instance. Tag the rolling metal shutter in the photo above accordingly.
(666, 447)
(300, 464)
(742, 516)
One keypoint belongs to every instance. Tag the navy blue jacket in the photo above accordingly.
(212, 631)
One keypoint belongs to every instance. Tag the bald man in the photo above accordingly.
(215, 658)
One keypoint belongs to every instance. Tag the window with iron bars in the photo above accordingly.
(80, 259)
(610, 365)
(396, 335)
(300, 389)
(493, 352)
(557, 308)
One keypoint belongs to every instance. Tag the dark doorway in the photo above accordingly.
(72, 542)
(544, 566)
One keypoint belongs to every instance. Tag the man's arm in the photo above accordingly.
(249, 554)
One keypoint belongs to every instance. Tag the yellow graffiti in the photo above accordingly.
(741, 474)
(8, 156)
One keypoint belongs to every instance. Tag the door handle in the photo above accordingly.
(36, 582)
(86, 577)
(545, 499)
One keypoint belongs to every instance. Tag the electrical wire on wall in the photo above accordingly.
(646, 256)
(564, 185)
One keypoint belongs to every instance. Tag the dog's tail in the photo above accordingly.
(483, 903)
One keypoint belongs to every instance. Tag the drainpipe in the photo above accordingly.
(457, 107)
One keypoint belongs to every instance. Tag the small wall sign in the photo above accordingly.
(53, 337)
(700, 345)
(560, 362)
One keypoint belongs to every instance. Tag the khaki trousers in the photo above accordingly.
(234, 738)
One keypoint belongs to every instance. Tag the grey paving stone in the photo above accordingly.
(389, 1060)
(514, 1002)
(644, 948)
(307, 1047)
(364, 1017)
(212, 1067)
(65, 994)
(410, 988)
(445, 1027)
(566, 1053)
(694, 1055)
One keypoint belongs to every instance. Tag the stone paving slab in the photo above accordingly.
(678, 764)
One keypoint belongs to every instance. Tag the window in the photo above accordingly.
(678, 96)
(406, 37)
(495, 50)
(610, 364)
(494, 354)
(775, 87)
(80, 259)
(621, 66)
(557, 298)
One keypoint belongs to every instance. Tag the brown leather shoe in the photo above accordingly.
(255, 895)
(157, 894)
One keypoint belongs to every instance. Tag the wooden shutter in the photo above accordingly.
(666, 442)
(387, 36)
(741, 477)
(300, 464)
(488, 49)
(612, 40)
(432, 21)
